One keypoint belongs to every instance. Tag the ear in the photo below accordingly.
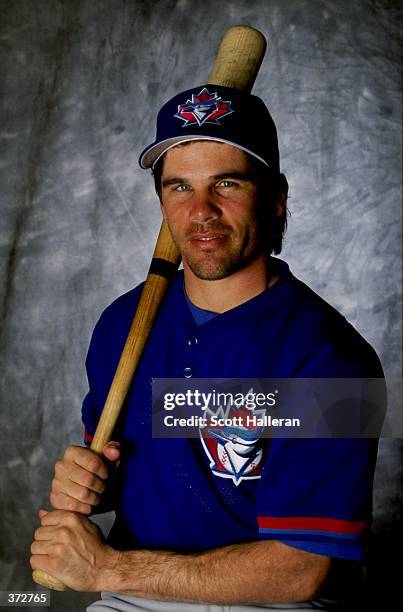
(281, 203)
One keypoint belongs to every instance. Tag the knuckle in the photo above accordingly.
(87, 496)
(58, 549)
(93, 464)
(72, 452)
(71, 504)
(64, 502)
(63, 516)
(71, 520)
(64, 534)
(59, 466)
(93, 481)
(69, 452)
(90, 481)
(54, 499)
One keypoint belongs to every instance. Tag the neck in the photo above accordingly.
(226, 293)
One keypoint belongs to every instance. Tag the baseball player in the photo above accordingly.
(210, 526)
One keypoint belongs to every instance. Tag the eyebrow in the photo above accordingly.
(241, 176)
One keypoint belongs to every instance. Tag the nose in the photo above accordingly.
(203, 207)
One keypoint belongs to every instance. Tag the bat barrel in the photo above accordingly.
(239, 58)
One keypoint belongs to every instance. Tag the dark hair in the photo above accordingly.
(272, 186)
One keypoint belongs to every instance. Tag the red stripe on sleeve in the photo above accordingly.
(87, 436)
(311, 523)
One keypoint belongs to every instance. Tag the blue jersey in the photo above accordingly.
(314, 494)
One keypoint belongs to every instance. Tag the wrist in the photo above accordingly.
(143, 573)
(107, 577)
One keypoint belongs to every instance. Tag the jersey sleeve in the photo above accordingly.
(103, 356)
(98, 376)
(316, 493)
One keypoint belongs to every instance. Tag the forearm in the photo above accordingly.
(257, 572)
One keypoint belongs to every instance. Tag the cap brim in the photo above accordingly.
(152, 154)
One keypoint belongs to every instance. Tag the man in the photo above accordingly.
(192, 528)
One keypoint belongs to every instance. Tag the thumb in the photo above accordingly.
(111, 452)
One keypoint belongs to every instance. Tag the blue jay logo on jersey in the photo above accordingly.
(204, 107)
(234, 446)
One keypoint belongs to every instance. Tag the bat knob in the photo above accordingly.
(47, 580)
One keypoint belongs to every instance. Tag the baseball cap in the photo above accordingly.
(214, 112)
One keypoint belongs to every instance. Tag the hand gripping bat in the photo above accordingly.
(236, 65)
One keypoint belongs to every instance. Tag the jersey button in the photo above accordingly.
(193, 341)
(187, 372)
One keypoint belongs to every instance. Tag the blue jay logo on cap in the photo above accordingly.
(204, 107)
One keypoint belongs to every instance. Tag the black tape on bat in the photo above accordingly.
(162, 267)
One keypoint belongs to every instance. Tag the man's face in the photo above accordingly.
(209, 199)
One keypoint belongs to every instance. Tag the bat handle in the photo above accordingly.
(48, 581)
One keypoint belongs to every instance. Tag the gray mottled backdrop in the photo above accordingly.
(81, 82)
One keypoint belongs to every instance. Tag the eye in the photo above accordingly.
(182, 187)
(226, 183)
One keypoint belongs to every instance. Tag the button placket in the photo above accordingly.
(192, 342)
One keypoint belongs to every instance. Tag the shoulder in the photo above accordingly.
(114, 323)
(323, 337)
(122, 307)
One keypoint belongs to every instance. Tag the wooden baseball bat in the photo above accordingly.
(236, 65)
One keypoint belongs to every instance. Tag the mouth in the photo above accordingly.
(208, 240)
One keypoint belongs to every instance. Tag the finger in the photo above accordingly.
(38, 561)
(65, 521)
(87, 459)
(66, 473)
(112, 451)
(44, 533)
(88, 479)
(42, 513)
(61, 501)
(57, 518)
(79, 492)
(42, 547)
(48, 562)
(49, 540)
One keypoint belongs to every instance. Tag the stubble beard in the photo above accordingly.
(216, 264)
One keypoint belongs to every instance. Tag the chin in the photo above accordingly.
(214, 271)
(210, 276)
(206, 266)
(214, 267)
